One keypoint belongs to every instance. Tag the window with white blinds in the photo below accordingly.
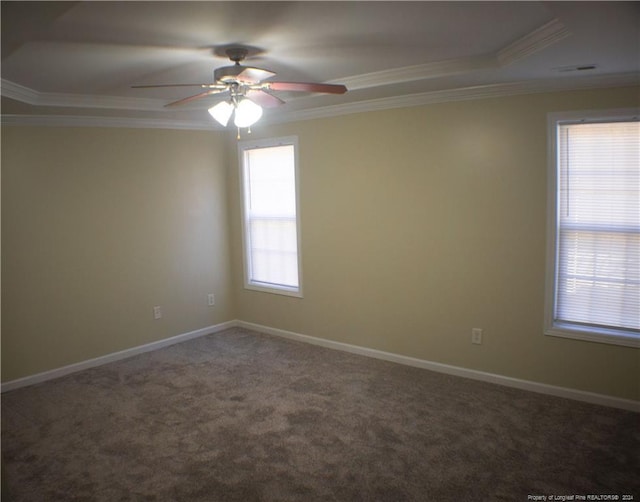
(595, 230)
(270, 215)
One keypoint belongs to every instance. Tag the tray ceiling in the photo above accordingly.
(75, 62)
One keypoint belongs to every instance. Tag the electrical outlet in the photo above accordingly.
(211, 300)
(476, 336)
(157, 312)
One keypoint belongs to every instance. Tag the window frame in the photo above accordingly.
(250, 284)
(558, 328)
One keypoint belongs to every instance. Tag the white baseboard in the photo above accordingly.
(115, 356)
(541, 388)
(552, 390)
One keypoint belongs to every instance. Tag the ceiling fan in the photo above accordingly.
(246, 90)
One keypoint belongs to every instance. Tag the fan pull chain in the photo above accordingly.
(248, 132)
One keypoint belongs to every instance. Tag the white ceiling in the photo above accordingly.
(75, 62)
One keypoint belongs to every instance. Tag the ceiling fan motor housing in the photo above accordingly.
(230, 74)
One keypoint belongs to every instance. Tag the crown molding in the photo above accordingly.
(96, 121)
(108, 102)
(418, 72)
(464, 94)
(30, 96)
(412, 100)
(18, 92)
(538, 39)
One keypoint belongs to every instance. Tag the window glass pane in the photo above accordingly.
(271, 173)
(598, 235)
(270, 219)
(595, 279)
(274, 251)
(599, 174)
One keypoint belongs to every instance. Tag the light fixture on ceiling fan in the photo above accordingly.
(246, 111)
(247, 93)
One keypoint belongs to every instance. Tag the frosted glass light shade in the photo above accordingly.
(222, 112)
(247, 113)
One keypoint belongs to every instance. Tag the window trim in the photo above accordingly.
(557, 328)
(257, 285)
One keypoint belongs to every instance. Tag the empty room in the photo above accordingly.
(320, 251)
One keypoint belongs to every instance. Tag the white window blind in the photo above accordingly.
(597, 262)
(270, 217)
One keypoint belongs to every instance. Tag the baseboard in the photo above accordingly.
(115, 356)
(552, 390)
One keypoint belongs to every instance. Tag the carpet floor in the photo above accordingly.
(243, 416)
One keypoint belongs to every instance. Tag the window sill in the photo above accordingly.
(265, 288)
(612, 337)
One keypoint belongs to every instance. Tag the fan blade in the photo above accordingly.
(252, 75)
(194, 97)
(210, 86)
(264, 99)
(307, 87)
(242, 74)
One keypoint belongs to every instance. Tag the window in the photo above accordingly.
(593, 264)
(271, 232)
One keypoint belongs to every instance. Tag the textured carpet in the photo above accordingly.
(241, 416)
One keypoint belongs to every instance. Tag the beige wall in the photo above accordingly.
(419, 224)
(100, 225)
